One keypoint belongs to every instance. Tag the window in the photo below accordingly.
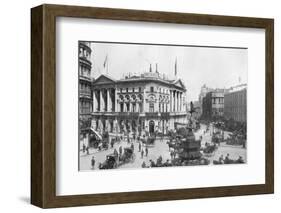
(121, 107)
(151, 107)
(140, 107)
(127, 90)
(151, 89)
(139, 89)
(133, 89)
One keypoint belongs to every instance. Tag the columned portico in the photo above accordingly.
(136, 107)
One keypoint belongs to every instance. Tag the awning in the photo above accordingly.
(96, 134)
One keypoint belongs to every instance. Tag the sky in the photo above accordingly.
(196, 66)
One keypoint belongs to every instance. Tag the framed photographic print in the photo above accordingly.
(136, 106)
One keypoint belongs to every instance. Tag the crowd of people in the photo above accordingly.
(139, 144)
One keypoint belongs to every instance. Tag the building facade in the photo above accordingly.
(235, 103)
(144, 103)
(85, 83)
(203, 91)
(213, 104)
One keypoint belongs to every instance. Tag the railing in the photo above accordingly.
(83, 77)
(152, 114)
(85, 92)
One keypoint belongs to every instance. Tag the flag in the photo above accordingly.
(105, 61)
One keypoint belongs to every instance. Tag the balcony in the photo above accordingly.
(85, 94)
(85, 78)
(165, 115)
(152, 114)
(129, 114)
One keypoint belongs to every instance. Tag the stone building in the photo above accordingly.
(147, 102)
(85, 95)
(203, 91)
(213, 104)
(235, 103)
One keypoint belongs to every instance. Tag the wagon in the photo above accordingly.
(110, 162)
(127, 156)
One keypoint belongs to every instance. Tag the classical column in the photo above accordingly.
(109, 102)
(145, 104)
(107, 125)
(115, 101)
(171, 101)
(115, 126)
(174, 101)
(177, 101)
(180, 101)
(101, 101)
(94, 101)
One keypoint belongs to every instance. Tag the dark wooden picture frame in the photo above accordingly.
(43, 105)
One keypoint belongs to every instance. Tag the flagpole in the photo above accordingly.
(107, 66)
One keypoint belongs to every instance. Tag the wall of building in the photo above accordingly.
(138, 103)
(235, 105)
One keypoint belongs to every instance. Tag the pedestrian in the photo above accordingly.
(143, 165)
(139, 146)
(93, 162)
(142, 152)
(240, 160)
(171, 154)
(174, 154)
(146, 151)
(84, 148)
(115, 152)
(112, 143)
(221, 159)
(167, 163)
(152, 163)
(226, 160)
(87, 149)
(120, 150)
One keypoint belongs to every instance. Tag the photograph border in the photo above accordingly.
(43, 105)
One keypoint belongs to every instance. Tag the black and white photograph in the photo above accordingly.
(161, 105)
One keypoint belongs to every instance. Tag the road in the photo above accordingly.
(160, 148)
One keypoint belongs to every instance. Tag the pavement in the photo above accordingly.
(160, 148)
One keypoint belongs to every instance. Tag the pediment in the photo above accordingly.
(103, 79)
(179, 83)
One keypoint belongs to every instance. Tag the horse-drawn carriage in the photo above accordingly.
(236, 139)
(217, 138)
(127, 156)
(209, 149)
(149, 140)
(111, 162)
